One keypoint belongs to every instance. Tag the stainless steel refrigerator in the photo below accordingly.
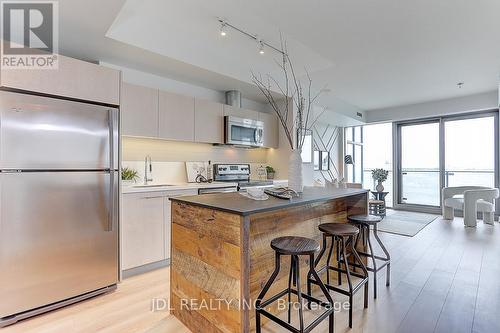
(58, 203)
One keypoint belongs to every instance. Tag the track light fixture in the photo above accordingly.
(261, 44)
(223, 29)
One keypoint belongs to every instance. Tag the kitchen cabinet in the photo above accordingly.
(146, 227)
(73, 79)
(139, 110)
(176, 117)
(271, 129)
(143, 233)
(208, 121)
(239, 112)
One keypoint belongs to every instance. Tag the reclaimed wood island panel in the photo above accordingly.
(221, 254)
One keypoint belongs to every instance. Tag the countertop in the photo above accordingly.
(138, 188)
(173, 187)
(238, 204)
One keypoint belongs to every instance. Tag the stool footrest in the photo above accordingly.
(329, 309)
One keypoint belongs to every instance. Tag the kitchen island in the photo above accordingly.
(221, 254)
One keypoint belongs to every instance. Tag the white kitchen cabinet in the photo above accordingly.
(147, 227)
(271, 129)
(143, 229)
(73, 79)
(208, 121)
(241, 113)
(139, 110)
(176, 117)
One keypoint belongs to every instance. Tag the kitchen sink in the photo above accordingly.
(155, 185)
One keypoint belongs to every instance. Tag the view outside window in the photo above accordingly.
(377, 145)
(470, 152)
(354, 148)
(420, 164)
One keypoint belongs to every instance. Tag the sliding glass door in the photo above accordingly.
(419, 164)
(443, 152)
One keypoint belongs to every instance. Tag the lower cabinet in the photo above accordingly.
(146, 227)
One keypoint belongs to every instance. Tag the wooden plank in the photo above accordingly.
(192, 319)
(222, 256)
(224, 314)
(204, 221)
(206, 277)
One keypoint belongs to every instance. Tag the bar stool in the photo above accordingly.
(294, 247)
(342, 236)
(363, 222)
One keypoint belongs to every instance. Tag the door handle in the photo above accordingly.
(111, 198)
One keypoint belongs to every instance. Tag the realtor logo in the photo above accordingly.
(29, 34)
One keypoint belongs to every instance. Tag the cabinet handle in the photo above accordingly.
(147, 198)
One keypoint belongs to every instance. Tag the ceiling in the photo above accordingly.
(371, 54)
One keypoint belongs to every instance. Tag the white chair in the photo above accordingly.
(470, 199)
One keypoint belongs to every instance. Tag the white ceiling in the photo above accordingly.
(372, 54)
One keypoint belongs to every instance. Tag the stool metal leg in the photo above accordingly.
(312, 272)
(330, 252)
(290, 288)
(266, 289)
(388, 275)
(374, 263)
(296, 272)
(348, 273)
(365, 272)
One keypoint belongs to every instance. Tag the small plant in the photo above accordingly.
(129, 174)
(380, 175)
(270, 172)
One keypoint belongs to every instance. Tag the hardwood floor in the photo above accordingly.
(445, 279)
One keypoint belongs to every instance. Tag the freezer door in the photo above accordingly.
(58, 237)
(47, 133)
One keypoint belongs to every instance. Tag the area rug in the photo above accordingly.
(405, 223)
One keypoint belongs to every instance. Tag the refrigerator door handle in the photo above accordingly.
(113, 138)
(113, 198)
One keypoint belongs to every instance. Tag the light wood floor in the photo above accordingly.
(445, 279)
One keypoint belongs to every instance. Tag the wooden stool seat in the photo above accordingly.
(376, 202)
(339, 229)
(294, 245)
(364, 219)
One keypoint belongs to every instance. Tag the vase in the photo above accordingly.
(295, 181)
(379, 187)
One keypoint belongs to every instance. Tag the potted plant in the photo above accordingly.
(379, 175)
(270, 172)
(129, 176)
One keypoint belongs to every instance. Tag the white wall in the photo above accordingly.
(477, 102)
(154, 81)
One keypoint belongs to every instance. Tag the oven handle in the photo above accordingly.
(217, 190)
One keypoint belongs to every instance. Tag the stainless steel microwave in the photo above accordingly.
(245, 132)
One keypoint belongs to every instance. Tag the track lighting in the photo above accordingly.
(224, 25)
(223, 29)
(261, 46)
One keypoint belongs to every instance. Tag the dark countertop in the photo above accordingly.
(238, 204)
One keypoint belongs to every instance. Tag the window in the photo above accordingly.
(355, 150)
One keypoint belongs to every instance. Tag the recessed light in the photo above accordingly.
(261, 47)
(460, 84)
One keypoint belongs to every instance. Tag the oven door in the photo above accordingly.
(240, 131)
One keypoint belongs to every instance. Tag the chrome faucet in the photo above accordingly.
(148, 167)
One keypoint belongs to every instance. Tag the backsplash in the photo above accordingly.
(169, 157)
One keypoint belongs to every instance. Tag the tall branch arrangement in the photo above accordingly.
(291, 88)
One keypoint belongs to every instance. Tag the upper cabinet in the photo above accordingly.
(139, 110)
(208, 121)
(73, 79)
(241, 113)
(152, 113)
(176, 117)
(271, 129)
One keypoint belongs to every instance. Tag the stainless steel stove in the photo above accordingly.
(239, 173)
